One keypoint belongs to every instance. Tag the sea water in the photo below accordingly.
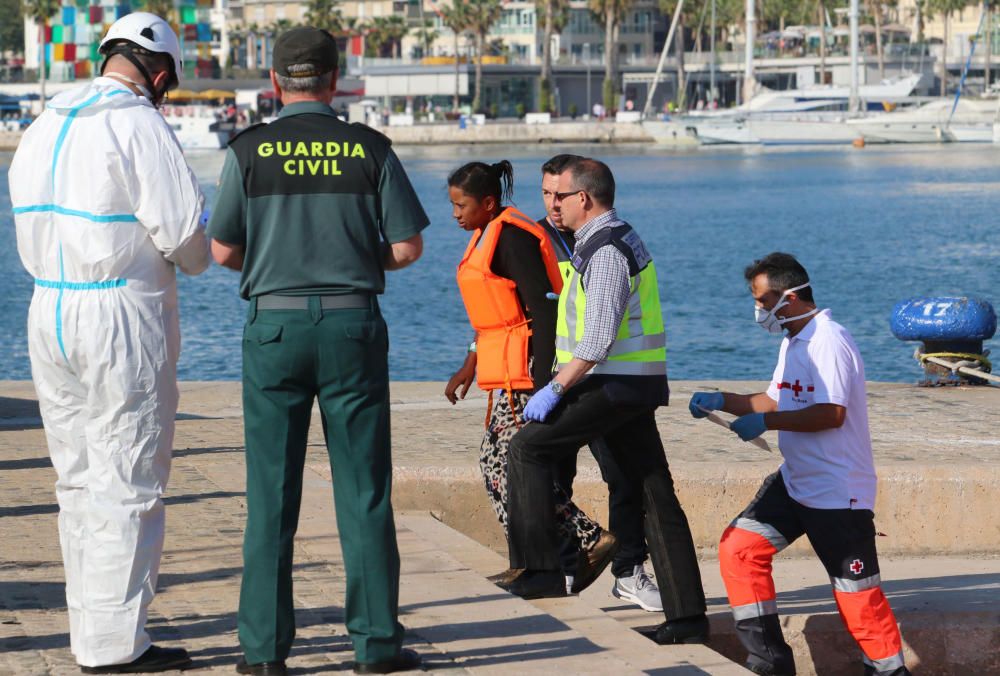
(872, 226)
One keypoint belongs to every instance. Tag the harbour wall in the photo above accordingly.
(493, 133)
(937, 454)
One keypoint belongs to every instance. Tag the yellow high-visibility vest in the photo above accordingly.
(640, 347)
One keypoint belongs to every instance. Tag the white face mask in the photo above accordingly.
(141, 87)
(771, 322)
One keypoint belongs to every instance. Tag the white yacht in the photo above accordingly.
(972, 122)
(197, 127)
(811, 115)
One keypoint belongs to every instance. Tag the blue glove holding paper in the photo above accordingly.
(710, 401)
(541, 404)
(749, 427)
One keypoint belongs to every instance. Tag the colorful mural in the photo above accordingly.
(74, 34)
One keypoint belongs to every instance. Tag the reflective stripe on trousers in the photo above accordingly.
(886, 665)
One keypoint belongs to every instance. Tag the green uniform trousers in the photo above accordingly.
(291, 357)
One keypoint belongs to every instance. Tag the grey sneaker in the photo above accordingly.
(638, 589)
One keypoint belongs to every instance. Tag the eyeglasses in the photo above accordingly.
(560, 196)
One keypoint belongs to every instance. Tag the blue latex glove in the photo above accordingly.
(749, 426)
(541, 404)
(712, 401)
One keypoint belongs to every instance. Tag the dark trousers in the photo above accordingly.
(626, 518)
(586, 413)
(844, 541)
(290, 359)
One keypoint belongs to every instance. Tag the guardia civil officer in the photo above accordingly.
(612, 375)
(825, 489)
(312, 211)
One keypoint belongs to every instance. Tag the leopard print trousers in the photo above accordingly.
(570, 519)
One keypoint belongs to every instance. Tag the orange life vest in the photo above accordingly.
(502, 331)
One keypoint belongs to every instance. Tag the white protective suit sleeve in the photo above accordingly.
(166, 197)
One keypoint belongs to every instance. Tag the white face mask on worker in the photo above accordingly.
(141, 87)
(771, 322)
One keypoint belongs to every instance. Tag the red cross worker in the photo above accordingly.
(825, 488)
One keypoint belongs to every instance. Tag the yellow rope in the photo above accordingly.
(984, 362)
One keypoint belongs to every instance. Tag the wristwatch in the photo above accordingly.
(557, 388)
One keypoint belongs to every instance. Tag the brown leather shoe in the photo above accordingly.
(593, 561)
(506, 577)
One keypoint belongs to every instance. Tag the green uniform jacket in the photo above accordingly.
(313, 200)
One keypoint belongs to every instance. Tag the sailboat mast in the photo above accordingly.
(748, 80)
(711, 67)
(853, 17)
(663, 59)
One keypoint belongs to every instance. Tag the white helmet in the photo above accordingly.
(147, 31)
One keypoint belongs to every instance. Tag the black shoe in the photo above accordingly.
(684, 630)
(766, 669)
(153, 660)
(506, 577)
(262, 668)
(593, 561)
(406, 660)
(902, 671)
(537, 584)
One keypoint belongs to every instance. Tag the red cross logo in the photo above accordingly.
(796, 388)
(857, 566)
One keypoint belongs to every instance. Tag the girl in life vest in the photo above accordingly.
(508, 276)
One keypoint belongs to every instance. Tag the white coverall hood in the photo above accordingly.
(105, 207)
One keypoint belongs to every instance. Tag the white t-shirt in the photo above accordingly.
(832, 469)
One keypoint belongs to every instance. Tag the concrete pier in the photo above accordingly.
(506, 133)
(937, 452)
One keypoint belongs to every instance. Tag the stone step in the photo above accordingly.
(948, 610)
(608, 646)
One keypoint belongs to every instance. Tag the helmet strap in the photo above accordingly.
(124, 49)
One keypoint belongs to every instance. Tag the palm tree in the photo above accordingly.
(482, 15)
(556, 14)
(875, 9)
(11, 27)
(821, 10)
(921, 8)
(690, 11)
(611, 13)
(947, 8)
(426, 35)
(325, 15)
(375, 36)
(40, 11)
(454, 17)
(395, 29)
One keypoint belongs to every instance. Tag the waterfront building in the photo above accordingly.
(73, 35)
(520, 33)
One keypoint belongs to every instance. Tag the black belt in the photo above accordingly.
(347, 301)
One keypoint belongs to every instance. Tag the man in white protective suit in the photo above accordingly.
(106, 208)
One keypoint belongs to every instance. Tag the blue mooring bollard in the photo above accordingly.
(949, 328)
